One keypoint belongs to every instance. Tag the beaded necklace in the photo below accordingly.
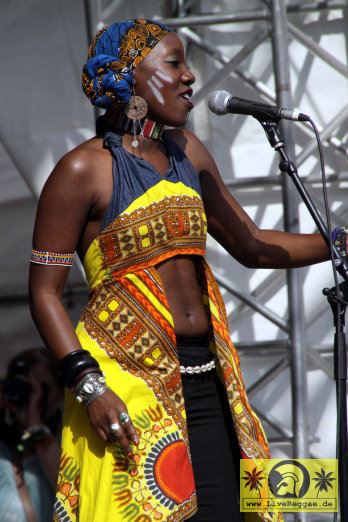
(148, 128)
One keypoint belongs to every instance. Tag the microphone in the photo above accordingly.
(222, 102)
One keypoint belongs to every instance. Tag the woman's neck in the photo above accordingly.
(145, 128)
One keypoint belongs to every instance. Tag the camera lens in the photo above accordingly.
(16, 390)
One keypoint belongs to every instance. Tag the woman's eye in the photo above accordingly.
(174, 63)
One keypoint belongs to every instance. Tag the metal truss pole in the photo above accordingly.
(93, 17)
(291, 221)
(93, 14)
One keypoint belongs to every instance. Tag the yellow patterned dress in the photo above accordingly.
(127, 326)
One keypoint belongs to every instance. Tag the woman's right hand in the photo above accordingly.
(105, 411)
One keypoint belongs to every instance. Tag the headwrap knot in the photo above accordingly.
(107, 77)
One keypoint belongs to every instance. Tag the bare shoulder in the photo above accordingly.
(80, 169)
(194, 149)
(81, 161)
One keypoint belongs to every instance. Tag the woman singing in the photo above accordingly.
(156, 414)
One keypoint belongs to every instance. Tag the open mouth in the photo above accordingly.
(186, 96)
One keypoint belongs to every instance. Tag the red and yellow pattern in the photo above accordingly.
(127, 326)
(107, 77)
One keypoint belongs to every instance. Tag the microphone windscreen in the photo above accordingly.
(218, 102)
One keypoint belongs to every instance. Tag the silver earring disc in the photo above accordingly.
(136, 108)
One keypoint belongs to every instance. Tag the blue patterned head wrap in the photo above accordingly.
(107, 77)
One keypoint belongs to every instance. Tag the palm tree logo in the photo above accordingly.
(323, 481)
(253, 480)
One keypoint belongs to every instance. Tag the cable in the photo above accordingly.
(326, 201)
(328, 221)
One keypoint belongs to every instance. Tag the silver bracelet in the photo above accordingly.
(91, 386)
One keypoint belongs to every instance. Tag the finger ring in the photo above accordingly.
(123, 417)
(114, 427)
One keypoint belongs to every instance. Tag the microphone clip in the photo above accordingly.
(273, 135)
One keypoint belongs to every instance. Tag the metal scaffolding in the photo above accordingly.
(275, 25)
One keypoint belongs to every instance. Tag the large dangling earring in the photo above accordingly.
(136, 110)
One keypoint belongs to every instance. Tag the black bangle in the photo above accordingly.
(78, 366)
(75, 363)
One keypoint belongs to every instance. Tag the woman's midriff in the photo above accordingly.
(184, 296)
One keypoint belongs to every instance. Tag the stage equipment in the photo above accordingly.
(222, 102)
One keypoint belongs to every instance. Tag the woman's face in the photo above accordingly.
(163, 80)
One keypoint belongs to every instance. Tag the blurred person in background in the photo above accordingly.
(30, 424)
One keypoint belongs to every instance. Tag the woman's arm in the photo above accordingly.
(64, 220)
(62, 211)
(231, 226)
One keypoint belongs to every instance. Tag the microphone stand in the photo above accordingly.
(338, 302)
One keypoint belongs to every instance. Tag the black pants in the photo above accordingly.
(213, 443)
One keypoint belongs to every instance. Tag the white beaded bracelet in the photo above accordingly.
(198, 369)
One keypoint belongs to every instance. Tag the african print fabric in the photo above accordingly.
(107, 77)
(127, 326)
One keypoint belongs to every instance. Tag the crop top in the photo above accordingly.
(150, 217)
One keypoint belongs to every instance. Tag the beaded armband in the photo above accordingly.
(339, 239)
(50, 258)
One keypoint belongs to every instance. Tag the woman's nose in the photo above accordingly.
(188, 77)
